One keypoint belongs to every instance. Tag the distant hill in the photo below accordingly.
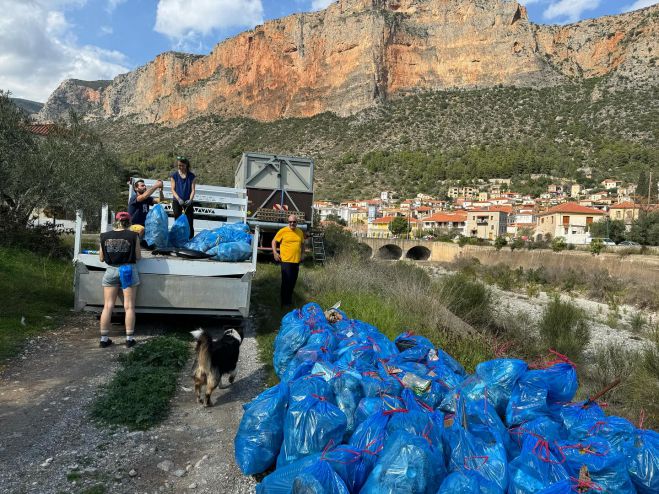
(413, 143)
(31, 107)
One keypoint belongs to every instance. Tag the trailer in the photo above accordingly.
(277, 186)
(177, 285)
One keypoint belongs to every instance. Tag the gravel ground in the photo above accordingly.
(517, 305)
(49, 445)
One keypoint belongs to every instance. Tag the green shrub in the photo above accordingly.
(499, 243)
(139, 394)
(563, 327)
(558, 244)
(468, 299)
(596, 246)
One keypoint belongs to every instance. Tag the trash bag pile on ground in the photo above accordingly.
(229, 243)
(357, 413)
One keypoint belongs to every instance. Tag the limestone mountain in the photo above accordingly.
(356, 54)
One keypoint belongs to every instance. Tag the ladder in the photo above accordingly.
(318, 247)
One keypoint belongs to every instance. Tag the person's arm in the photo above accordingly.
(161, 196)
(147, 193)
(100, 254)
(174, 194)
(193, 189)
(274, 249)
(302, 248)
(138, 250)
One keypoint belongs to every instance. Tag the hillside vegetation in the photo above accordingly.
(413, 143)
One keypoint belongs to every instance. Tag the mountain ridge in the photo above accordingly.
(356, 54)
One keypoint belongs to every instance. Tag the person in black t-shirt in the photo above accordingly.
(141, 200)
(120, 251)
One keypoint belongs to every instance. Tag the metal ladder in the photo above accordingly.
(318, 247)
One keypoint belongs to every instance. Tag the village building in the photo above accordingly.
(568, 220)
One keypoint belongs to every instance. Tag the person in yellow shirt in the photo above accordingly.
(291, 252)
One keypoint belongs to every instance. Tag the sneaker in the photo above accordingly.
(105, 344)
(130, 343)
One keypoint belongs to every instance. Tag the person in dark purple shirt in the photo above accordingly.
(141, 200)
(183, 190)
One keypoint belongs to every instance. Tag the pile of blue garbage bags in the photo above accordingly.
(355, 412)
(230, 242)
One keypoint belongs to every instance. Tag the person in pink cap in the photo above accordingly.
(120, 250)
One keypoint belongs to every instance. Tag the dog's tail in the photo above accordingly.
(196, 334)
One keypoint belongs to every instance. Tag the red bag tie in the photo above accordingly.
(484, 458)
(318, 397)
(579, 484)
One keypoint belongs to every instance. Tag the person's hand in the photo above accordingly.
(159, 184)
(276, 255)
(181, 202)
(187, 203)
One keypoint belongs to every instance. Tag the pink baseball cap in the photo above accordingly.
(121, 216)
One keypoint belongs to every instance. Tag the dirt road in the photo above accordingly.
(49, 445)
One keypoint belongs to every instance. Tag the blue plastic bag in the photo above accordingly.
(156, 229)
(179, 234)
(231, 252)
(126, 275)
(281, 480)
(536, 467)
(292, 336)
(234, 232)
(578, 414)
(644, 461)
(606, 468)
(542, 428)
(203, 241)
(261, 431)
(309, 427)
(470, 453)
(407, 465)
(469, 482)
(347, 387)
(528, 400)
(618, 432)
(368, 439)
(319, 478)
(309, 385)
(500, 375)
(370, 405)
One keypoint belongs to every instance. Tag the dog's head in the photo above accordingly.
(233, 333)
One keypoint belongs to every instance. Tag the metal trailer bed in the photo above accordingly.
(175, 285)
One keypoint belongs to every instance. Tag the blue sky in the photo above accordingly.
(43, 42)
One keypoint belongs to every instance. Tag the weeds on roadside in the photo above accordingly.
(138, 395)
(563, 327)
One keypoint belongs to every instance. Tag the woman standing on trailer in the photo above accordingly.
(183, 189)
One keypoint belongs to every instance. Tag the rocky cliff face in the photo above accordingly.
(357, 53)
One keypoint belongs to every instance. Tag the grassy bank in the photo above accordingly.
(395, 297)
(139, 394)
(36, 291)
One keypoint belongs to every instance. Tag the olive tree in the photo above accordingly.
(69, 169)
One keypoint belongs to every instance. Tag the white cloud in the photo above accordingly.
(569, 10)
(639, 4)
(38, 50)
(185, 21)
(113, 4)
(106, 30)
(320, 4)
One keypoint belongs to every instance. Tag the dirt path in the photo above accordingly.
(49, 445)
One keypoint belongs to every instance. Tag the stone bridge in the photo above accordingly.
(414, 250)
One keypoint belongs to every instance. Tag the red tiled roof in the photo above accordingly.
(41, 129)
(388, 219)
(571, 207)
(446, 218)
(624, 205)
(423, 208)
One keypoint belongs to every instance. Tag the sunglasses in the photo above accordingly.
(180, 158)
(292, 222)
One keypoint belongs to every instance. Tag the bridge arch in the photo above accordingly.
(418, 253)
(390, 252)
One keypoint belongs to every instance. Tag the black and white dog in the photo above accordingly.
(215, 358)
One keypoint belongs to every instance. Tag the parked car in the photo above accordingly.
(605, 241)
(629, 243)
